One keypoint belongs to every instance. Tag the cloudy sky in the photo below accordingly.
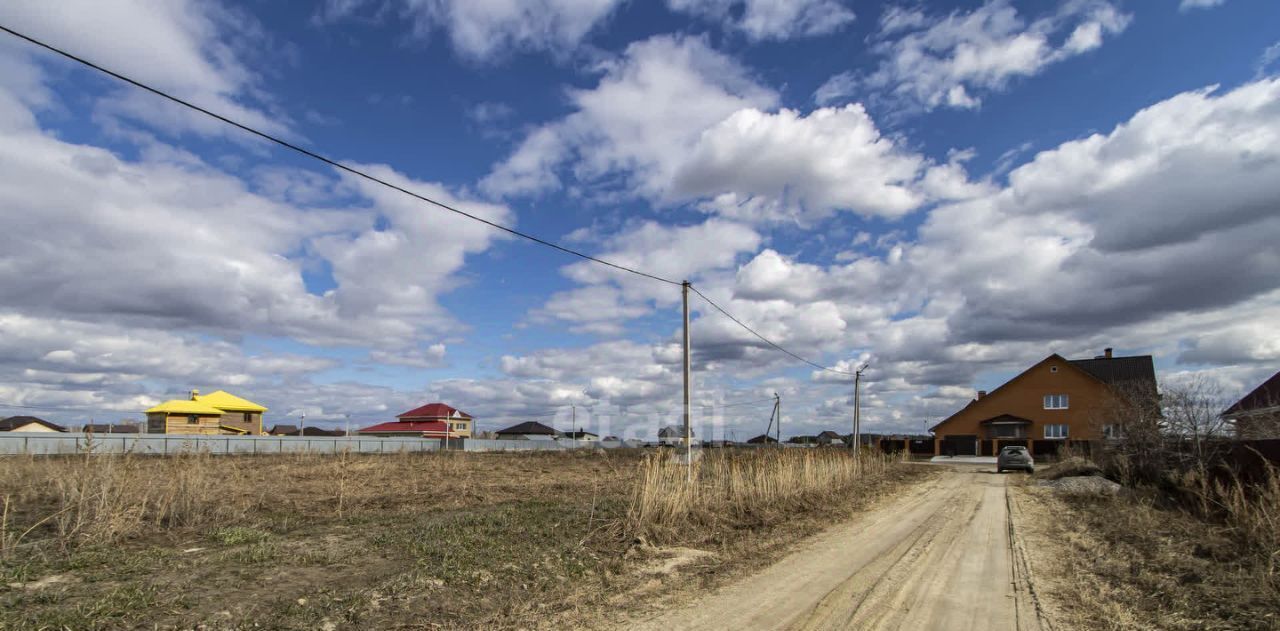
(951, 191)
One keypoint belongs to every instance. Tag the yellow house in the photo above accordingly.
(215, 413)
(239, 416)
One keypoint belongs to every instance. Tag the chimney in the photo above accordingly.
(1107, 352)
(981, 393)
(194, 393)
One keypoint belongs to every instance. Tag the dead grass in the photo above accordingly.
(1141, 561)
(377, 541)
(731, 485)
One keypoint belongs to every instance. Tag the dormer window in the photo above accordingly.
(1055, 402)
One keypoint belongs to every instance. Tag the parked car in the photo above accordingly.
(1015, 457)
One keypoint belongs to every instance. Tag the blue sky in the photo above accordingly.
(948, 190)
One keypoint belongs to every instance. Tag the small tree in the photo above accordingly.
(1193, 413)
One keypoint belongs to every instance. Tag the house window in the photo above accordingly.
(1057, 430)
(193, 419)
(1111, 431)
(1055, 401)
(1053, 369)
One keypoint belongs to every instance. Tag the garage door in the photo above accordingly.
(960, 445)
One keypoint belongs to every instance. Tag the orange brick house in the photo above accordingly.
(1055, 400)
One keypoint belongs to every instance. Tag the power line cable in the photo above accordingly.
(311, 154)
(338, 165)
(763, 338)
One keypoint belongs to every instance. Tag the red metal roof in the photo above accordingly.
(408, 427)
(433, 410)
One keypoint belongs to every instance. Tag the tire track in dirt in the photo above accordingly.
(944, 556)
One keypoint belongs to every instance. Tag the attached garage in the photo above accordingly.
(960, 445)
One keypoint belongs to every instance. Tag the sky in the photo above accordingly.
(948, 192)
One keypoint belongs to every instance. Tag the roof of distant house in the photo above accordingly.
(763, 438)
(407, 427)
(671, 431)
(831, 434)
(434, 410)
(580, 433)
(1266, 395)
(185, 406)
(530, 427)
(224, 400)
(14, 422)
(283, 430)
(108, 428)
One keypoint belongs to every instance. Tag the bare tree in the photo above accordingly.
(1193, 412)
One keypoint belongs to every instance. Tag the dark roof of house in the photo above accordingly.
(831, 434)
(529, 427)
(320, 431)
(1137, 371)
(1266, 395)
(671, 431)
(580, 433)
(14, 422)
(434, 410)
(761, 439)
(283, 430)
(407, 427)
(108, 428)
(1005, 418)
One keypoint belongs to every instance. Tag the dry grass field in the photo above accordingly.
(453, 540)
(1140, 561)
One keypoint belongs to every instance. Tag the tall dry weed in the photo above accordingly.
(734, 483)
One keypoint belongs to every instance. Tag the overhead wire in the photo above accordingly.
(329, 161)
(359, 173)
(763, 338)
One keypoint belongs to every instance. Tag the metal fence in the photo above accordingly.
(166, 444)
(169, 444)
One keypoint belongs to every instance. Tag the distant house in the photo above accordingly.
(459, 422)
(239, 416)
(108, 428)
(1055, 400)
(292, 430)
(433, 420)
(831, 438)
(581, 435)
(29, 424)
(672, 435)
(217, 413)
(283, 430)
(763, 439)
(803, 440)
(1256, 416)
(528, 430)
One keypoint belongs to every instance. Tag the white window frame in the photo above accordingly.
(1057, 402)
(1112, 431)
(1056, 431)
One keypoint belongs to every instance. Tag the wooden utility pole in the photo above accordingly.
(688, 428)
(777, 409)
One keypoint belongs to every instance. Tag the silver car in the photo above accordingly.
(1015, 457)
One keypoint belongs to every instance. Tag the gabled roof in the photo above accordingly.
(1266, 395)
(831, 434)
(283, 430)
(580, 433)
(434, 410)
(224, 400)
(529, 427)
(14, 422)
(408, 427)
(185, 406)
(672, 431)
(1136, 372)
(1005, 419)
(762, 439)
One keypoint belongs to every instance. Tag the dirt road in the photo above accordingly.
(944, 556)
